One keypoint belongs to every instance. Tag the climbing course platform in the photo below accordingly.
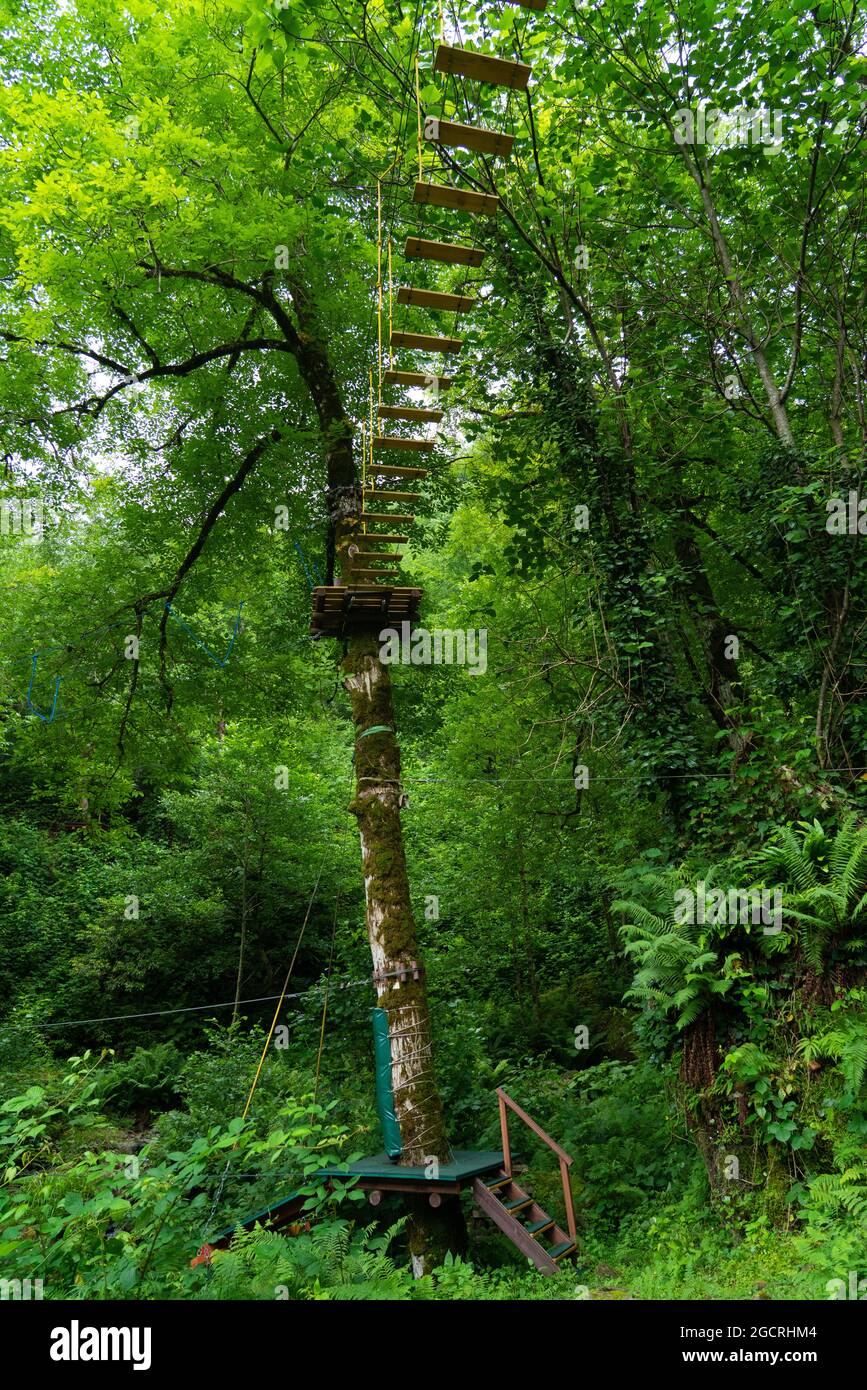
(485, 1173)
(340, 610)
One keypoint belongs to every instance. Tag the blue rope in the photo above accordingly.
(46, 718)
(199, 643)
(304, 564)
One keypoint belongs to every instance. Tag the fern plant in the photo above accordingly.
(824, 878)
(677, 969)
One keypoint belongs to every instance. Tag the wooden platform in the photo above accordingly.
(384, 1173)
(419, 249)
(339, 610)
(445, 195)
(466, 62)
(471, 137)
(376, 1174)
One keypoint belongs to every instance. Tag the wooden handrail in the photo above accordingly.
(537, 1129)
(565, 1159)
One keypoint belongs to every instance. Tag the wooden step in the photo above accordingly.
(409, 412)
(390, 517)
(433, 299)
(426, 342)
(501, 1180)
(557, 1252)
(513, 1229)
(517, 1203)
(379, 574)
(470, 137)
(530, 4)
(535, 1228)
(419, 249)
(394, 496)
(466, 62)
(424, 379)
(444, 195)
(407, 446)
(373, 555)
(396, 470)
(381, 538)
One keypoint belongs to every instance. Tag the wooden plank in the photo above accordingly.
(381, 538)
(387, 516)
(395, 496)
(466, 62)
(375, 555)
(409, 412)
(418, 379)
(406, 446)
(398, 470)
(434, 299)
(419, 249)
(426, 342)
(538, 5)
(383, 574)
(444, 195)
(468, 137)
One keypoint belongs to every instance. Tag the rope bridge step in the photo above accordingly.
(426, 342)
(466, 62)
(420, 249)
(469, 137)
(444, 195)
(434, 299)
(408, 412)
(418, 379)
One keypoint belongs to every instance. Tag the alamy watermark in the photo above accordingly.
(729, 907)
(440, 647)
(25, 517)
(746, 125)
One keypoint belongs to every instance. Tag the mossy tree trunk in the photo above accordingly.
(397, 959)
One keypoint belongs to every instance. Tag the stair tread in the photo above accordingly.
(558, 1251)
(522, 1201)
(533, 1227)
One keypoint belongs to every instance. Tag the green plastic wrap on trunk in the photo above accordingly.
(384, 1093)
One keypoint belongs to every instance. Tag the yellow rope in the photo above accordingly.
(379, 282)
(371, 432)
(282, 995)
(418, 113)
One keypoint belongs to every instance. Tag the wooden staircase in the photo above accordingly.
(516, 1213)
(526, 1224)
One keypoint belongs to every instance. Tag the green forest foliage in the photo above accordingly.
(166, 808)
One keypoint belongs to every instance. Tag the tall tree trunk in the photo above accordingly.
(391, 926)
(401, 985)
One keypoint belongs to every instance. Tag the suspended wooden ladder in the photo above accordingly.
(341, 609)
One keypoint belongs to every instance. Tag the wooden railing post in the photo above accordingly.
(565, 1159)
(504, 1134)
(567, 1198)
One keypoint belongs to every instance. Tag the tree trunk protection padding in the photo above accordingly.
(384, 1094)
